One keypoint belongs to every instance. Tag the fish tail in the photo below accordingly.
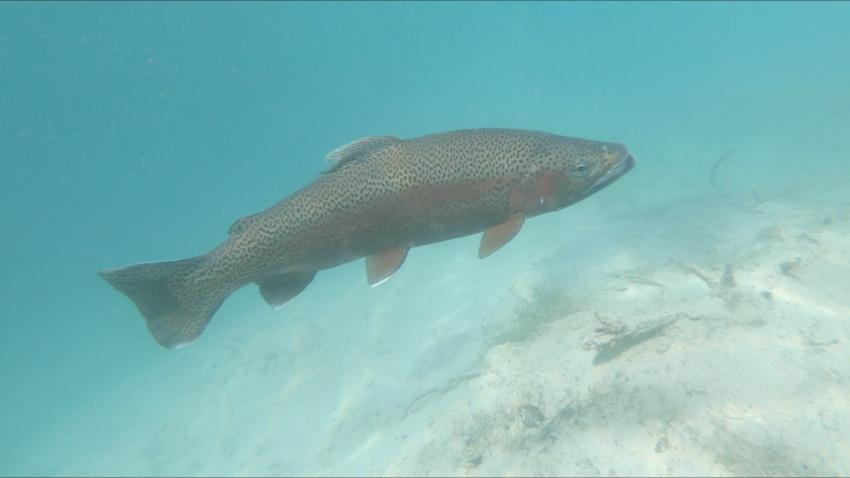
(173, 296)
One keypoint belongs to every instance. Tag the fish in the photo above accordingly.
(380, 197)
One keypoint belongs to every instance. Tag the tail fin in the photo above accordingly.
(176, 309)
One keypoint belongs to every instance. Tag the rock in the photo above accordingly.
(531, 416)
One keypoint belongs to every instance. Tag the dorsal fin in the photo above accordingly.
(359, 149)
(242, 223)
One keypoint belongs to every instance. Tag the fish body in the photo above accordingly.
(382, 196)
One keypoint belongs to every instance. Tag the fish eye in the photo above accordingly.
(580, 168)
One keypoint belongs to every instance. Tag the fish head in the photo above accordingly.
(578, 168)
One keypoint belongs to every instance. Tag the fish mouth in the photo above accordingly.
(625, 165)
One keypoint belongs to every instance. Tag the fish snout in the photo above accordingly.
(620, 168)
(629, 162)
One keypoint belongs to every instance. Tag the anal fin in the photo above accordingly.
(497, 236)
(380, 267)
(281, 288)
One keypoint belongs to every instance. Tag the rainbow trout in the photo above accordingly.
(381, 196)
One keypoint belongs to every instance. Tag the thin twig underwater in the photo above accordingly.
(758, 202)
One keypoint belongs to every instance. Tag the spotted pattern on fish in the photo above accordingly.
(381, 194)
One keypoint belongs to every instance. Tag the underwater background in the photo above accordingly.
(691, 319)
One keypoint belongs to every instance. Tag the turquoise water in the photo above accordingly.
(141, 131)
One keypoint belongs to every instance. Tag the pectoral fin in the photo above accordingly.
(381, 266)
(281, 288)
(499, 235)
